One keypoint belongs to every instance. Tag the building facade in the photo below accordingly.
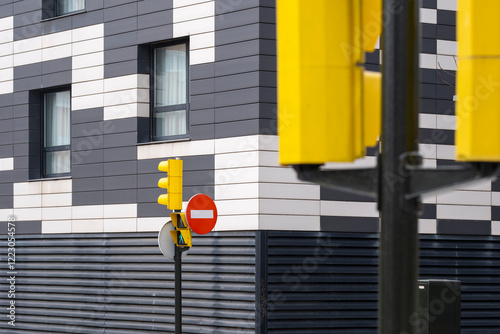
(95, 93)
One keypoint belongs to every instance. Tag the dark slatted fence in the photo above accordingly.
(120, 283)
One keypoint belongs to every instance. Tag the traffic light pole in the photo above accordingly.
(398, 243)
(178, 289)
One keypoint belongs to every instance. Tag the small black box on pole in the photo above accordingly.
(439, 307)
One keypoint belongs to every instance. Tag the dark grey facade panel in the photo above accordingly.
(238, 34)
(121, 40)
(6, 150)
(28, 83)
(26, 71)
(202, 102)
(119, 10)
(56, 79)
(88, 197)
(155, 19)
(120, 182)
(155, 34)
(238, 18)
(120, 26)
(202, 132)
(237, 81)
(235, 66)
(87, 170)
(202, 71)
(120, 168)
(6, 202)
(128, 53)
(6, 8)
(236, 97)
(21, 227)
(6, 100)
(88, 184)
(93, 115)
(328, 194)
(152, 6)
(120, 154)
(119, 196)
(238, 113)
(59, 24)
(202, 86)
(90, 17)
(224, 7)
(237, 50)
(237, 128)
(120, 139)
(468, 227)
(202, 117)
(437, 136)
(57, 65)
(349, 224)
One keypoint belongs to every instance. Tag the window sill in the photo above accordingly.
(64, 15)
(166, 141)
(55, 178)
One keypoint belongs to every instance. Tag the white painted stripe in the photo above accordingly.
(202, 214)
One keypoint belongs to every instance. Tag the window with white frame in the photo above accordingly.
(56, 133)
(170, 107)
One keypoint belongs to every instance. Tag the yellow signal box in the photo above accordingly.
(321, 47)
(477, 135)
(182, 237)
(179, 219)
(173, 184)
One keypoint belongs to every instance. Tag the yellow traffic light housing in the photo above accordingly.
(182, 237)
(179, 219)
(478, 76)
(321, 86)
(173, 184)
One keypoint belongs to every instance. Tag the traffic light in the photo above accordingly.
(321, 80)
(477, 135)
(182, 233)
(173, 184)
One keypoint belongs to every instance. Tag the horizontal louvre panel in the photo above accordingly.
(120, 283)
(322, 283)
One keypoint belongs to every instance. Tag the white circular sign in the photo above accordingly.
(167, 246)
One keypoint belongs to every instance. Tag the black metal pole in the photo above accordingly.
(178, 290)
(398, 267)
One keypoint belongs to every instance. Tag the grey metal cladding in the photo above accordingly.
(88, 198)
(202, 71)
(120, 154)
(26, 71)
(55, 79)
(153, 6)
(121, 26)
(88, 184)
(57, 65)
(119, 196)
(155, 34)
(233, 19)
(88, 18)
(23, 228)
(121, 68)
(202, 132)
(120, 168)
(6, 8)
(239, 65)
(237, 128)
(6, 201)
(127, 53)
(202, 117)
(237, 81)
(87, 170)
(93, 115)
(349, 224)
(238, 34)
(202, 86)
(226, 7)
(119, 10)
(155, 19)
(465, 227)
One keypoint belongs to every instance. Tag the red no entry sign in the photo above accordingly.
(201, 214)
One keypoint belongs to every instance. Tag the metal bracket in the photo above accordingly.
(366, 181)
(363, 181)
(428, 180)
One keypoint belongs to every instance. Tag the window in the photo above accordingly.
(68, 6)
(56, 133)
(54, 8)
(170, 111)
